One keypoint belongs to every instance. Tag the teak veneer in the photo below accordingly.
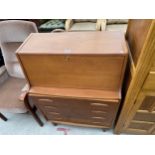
(75, 77)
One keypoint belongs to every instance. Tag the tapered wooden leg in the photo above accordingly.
(34, 108)
(3, 117)
(55, 124)
(104, 130)
(32, 111)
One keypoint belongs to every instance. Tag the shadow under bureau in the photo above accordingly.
(75, 77)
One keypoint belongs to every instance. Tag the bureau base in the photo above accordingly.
(81, 125)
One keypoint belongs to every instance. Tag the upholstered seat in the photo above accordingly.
(10, 91)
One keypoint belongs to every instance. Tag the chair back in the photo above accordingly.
(12, 35)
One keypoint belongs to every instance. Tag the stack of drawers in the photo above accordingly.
(143, 121)
(75, 77)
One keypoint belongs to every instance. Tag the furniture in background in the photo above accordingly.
(51, 25)
(75, 77)
(84, 24)
(138, 112)
(12, 80)
(115, 25)
(58, 30)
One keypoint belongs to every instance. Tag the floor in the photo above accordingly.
(24, 124)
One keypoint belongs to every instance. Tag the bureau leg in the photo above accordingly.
(34, 108)
(32, 111)
(104, 130)
(55, 124)
(3, 117)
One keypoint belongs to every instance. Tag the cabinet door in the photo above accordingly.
(74, 110)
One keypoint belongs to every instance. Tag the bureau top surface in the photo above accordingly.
(104, 42)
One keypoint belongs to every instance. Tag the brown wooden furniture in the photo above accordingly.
(138, 112)
(75, 77)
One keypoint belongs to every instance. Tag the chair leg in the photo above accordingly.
(32, 111)
(3, 117)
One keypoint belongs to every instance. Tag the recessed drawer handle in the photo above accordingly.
(54, 113)
(99, 104)
(59, 118)
(98, 123)
(45, 100)
(50, 107)
(99, 112)
(101, 118)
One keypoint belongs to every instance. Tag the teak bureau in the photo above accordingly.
(75, 77)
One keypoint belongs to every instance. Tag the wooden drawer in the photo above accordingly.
(140, 125)
(144, 120)
(148, 104)
(144, 115)
(80, 111)
(150, 82)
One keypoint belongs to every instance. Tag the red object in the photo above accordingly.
(65, 130)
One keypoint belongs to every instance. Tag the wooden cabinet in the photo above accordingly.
(75, 77)
(138, 113)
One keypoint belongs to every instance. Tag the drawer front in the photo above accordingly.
(92, 112)
(143, 115)
(143, 122)
(140, 125)
(148, 104)
(150, 82)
